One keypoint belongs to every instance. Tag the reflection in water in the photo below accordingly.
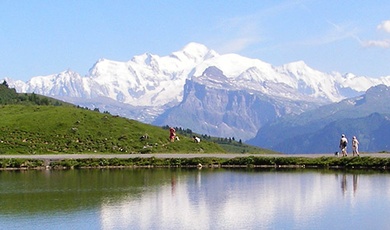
(223, 199)
(194, 199)
(173, 184)
(355, 182)
(344, 183)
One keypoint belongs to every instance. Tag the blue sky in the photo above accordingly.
(39, 38)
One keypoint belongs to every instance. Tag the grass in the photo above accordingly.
(243, 162)
(250, 161)
(33, 129)
(60, 129)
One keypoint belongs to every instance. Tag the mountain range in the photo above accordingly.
(319, 130)
(224, 95)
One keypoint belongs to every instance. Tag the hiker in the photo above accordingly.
(172, 134)
(355, 146)
(343, 145)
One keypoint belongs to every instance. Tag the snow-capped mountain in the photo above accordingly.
(145, 80)
(148, 85)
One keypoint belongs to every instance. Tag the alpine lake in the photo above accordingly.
(191, 198)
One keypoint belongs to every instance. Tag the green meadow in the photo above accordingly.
(34, 124)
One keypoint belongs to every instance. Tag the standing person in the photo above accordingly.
(343, 145)
(172, 134)
(355, 146)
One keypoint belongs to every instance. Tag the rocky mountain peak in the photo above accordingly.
(377, 93)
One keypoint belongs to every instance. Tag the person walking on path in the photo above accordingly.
(355, 146)
(343, 145)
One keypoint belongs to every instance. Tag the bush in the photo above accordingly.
(21, 163)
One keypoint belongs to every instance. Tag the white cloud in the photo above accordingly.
(377, 43)
(237, 34)
(237, 45)
(385, 26)
(384, 43)
(336, 33)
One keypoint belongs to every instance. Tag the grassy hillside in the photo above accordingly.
(55, 129)
(35, 124)
(36, 129)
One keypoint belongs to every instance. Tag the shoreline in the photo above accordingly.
(376, 161)
(178, 155)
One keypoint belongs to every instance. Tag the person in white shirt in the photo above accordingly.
(355, 146)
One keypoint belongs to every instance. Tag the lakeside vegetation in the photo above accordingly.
(247, 161)
(242, 162)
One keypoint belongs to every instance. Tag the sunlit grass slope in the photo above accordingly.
(35, 124)
(59, 129)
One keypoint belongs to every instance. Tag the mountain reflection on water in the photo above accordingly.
(241, 200)
(195, 199)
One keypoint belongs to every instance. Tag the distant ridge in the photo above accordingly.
(318, 131)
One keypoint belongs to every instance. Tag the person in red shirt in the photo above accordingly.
(172, 134)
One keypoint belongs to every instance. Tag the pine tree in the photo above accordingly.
(5, 83)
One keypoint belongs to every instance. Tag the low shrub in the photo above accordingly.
(21, 163)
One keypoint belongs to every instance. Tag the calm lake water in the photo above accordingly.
(194, 199)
